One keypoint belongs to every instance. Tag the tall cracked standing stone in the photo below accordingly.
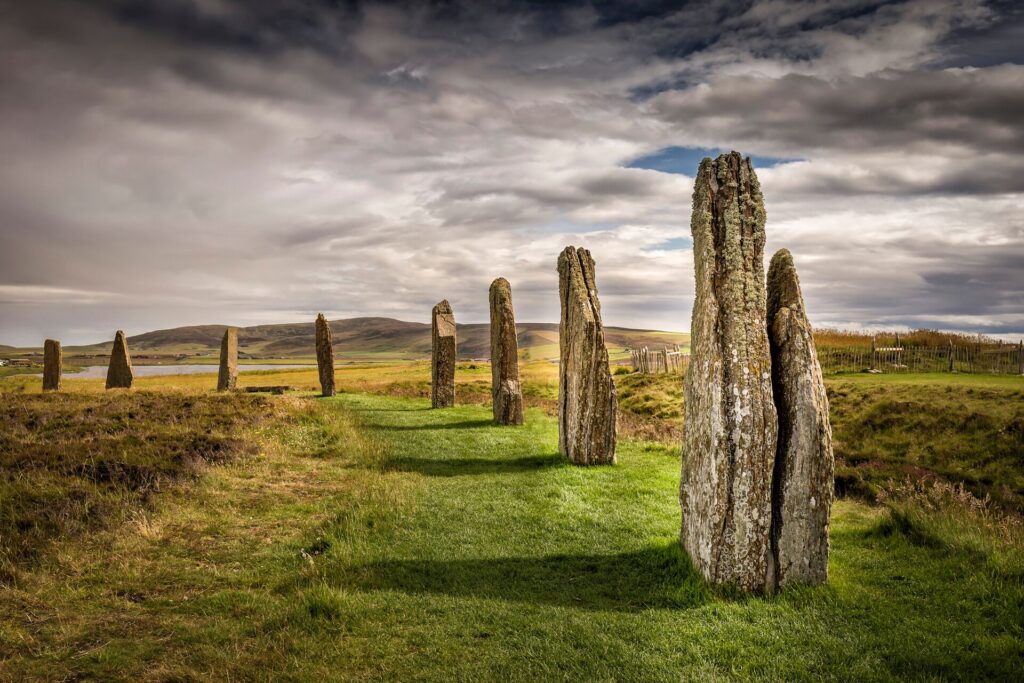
(730, 424)
(325, 356)
(119, 372)
(227, 378)
(53, 359)
(442, 365)
(506, 392)
(586, 392)
(804, 463)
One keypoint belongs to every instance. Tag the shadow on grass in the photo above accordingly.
(465, 424)
(454, 467)
(659, 577)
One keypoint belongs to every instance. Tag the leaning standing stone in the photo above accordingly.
(586, 392)
(324, 356)
(442, 366)
(227, 379)
(52, 360)
(804, 463)
(730, 423)
(506, 392)
(119, 372)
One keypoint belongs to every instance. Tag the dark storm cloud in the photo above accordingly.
(978, 110)
(190, 161)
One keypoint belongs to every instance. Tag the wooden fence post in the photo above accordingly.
(1020, 358)
(873, 346)
(951, 353)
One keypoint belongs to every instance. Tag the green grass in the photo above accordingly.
(960, 428)
(375, 539)
(72, 462)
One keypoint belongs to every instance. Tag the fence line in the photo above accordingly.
(1001, 359)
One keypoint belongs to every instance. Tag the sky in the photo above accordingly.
(175, 162)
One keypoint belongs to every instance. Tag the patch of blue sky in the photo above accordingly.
(686, 160)
(673, 244)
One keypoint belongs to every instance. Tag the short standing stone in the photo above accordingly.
(586, 392)
(53, 359)
(442, 365)
(325, 356)
(804, 463)
(227, 379)
(119, 372)
(506, 392)
(730, 422)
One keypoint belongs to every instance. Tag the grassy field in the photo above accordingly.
(368, 537)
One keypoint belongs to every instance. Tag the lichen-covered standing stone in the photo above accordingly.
(119, 372)
(506, 392)
(730, 424)
(227, 378)
(442, 366)
(586, 392)
(324, 356)
(53, 359)
(804, 463)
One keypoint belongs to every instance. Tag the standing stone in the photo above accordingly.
(506, 392)
(325, 356)
(730, 424)
(53, 359)
(586, 392)
(227, 379)
(119, 372)
(442, 365)
(804, 463)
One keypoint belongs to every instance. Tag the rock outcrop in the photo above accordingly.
(325, 356)
(586, 392)
(804, 463)
(506, 392)
(442, 358)
(119, 372)
(53, 359)
(730, 424)
(227, 378)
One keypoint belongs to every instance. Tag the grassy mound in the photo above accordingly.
(72, 462)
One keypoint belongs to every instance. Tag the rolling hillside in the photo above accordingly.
(360, 339)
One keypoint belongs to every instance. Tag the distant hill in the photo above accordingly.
(364, 338)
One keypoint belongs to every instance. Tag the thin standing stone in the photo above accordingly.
(506, 392)
(325, 356)
(119, 372)
(442, 366)
(804, 464)
(586, 392)
(53, 359)
(227, 379)
(730, 422)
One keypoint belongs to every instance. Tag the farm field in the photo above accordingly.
(368, 537)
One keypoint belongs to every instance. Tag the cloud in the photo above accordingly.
(225, 161)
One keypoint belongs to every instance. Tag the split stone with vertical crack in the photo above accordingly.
(227, 378)
(442, 357)
(506, 392)
(804, 465)
(586, 392)
(325, 356)
(730, 423)
(119, 372)
(53, 359)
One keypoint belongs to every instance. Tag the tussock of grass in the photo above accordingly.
(941, 515)
(71, 462)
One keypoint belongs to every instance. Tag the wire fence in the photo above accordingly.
(996, 359)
